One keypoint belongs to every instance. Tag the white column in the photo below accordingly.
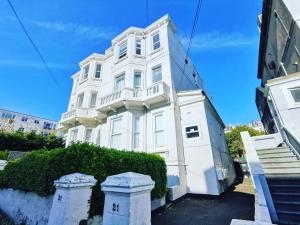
(127, 199)
(71, 200)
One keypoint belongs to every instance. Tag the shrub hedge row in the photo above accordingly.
(3, 155)
(19, 141)
(37, 171)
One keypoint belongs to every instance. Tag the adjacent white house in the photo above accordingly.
(143, 94)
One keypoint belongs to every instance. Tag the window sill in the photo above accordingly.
(156, 50)
(97, 79)
(161, 150)
(122, 59)
(139, 56)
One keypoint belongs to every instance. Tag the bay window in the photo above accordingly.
(122, 49)
(80, 100)
(116, 133)
(138, 47)
(85, 72)
(98, 71)
(120, 82)
(159, 133)
(93, 100)
(156, 41)
(156, 74)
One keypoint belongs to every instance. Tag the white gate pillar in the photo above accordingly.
(71, 200)
(127, 199)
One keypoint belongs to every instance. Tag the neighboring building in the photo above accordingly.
(255, 124)
(144, 95)
(278, 97)
(14, 121)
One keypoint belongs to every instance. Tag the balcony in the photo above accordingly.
(89, 117)
(126, 97)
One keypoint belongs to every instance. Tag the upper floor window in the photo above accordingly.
(137, 80)
(47, 126)
(123, 49)
(138, 47)
(85, 72)
(93, 100)
(159, 135)
(36, 121)
(120, 82)
(156, 74)
(24, 119)
(98, 71)
(156, 41)
(80, 100)
(296, 94)
(192, 132)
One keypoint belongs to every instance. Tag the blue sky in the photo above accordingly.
(224, 50)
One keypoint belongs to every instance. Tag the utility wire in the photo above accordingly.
(34, 45)
(196, 17)
(147, 13)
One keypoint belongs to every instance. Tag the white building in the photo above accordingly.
(15, 121)
(143, 95)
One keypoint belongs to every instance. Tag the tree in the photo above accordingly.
(234, 140)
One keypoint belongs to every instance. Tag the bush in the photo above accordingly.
(234, 140)
(19, 141)
(37, 171)
(3, 155)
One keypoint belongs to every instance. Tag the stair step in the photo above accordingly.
(291, 188)
(282, 196)
(276, 155)
(278, 148)
(287, 206)
(279, 159)
(282, 171)
(288, 217)
(263, 151)
(285, 180)
(281, 175)
(293, 164)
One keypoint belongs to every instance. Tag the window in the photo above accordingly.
(24, 119)
(136, 131)
(98, 138)
(120, 82)
(116, 133)
(80, 100)
(85, 72)
(123, 50)
(93, 100)
(98, 71)
(156, 74)
(296, 94)
(21, 129)
(47, 125)
(137, 80)
(88, 135)
(192, 132)
(156, 41)
(73, 136)
(36, 121)
(159, 131)
(138, 47)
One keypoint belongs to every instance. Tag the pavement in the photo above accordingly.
(208, 210)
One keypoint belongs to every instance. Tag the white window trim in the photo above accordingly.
(135, 49)
(162, 148)
(90, 101)
(77, 101)
(111, 130)
(152, 42)
(153, 68)
(82, 73)
(116, 78)
(290, 91)
(140, 72)
(100, 77)
(134, 132)
(286, 90)
(85, 133)
(119, 48)
(71, 135)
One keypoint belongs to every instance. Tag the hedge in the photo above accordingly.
(37, 171)
(19, 141)
(3, 155)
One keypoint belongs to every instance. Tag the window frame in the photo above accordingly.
(91, 135)
(155, 130)
(75, 130)
(122, 49)
(154, 43)
(195, 131)
(138, 46)
(136, 132)
(97, 71)
(293, 98)
(112, 134)
(91, 97)
(77, 101)
(135, 74)
(85, 74)
(122, 75)
(153, 69)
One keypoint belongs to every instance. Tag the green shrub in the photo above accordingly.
(3, 155)
(38, 169)
(19, 141)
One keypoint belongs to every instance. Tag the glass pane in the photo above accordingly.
(120, 82)
(98, 138)
(136, 141)
(116, 127)
(86, 71)
(80, 101)
(98, 71)
(116, 141)
(74, 135)
(155, 38)
(137, 80)
(159, 139)
(296, 94)
(157, 75)
(88, 135)
(123, 50)
(93, 100)
(136, 124)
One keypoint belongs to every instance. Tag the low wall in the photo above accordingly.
(267, 141)
(25, 206)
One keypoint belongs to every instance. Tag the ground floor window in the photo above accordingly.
(159, 132)
(88, 135)
(73, 136)
(116, 133)
(136, 132)
(192, 132)
(98, 138)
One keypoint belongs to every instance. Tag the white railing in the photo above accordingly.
(111, 97)
(69, 114)
(79, 113)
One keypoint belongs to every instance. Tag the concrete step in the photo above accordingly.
(287, 175)
(281, 196)
(276, 155)
(285, 180)
(288, 217)
(282, 171)
(290, 188)
(293, 164)
(279, 159)
(287, 206)
(275, 150)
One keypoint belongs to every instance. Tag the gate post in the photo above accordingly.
(127, 199)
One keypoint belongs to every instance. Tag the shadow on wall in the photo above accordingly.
(173, 180)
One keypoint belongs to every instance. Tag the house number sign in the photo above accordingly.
(115, 207)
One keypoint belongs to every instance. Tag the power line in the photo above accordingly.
(196, 17)
(147, 13)
(34, 45)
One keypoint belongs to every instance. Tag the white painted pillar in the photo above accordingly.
(71, 200)
(127, 199)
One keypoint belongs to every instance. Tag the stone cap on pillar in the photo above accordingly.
(75, 180)
(128, 183)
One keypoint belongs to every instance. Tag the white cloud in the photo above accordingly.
(33, 64)
(92, 32)
(216, 40)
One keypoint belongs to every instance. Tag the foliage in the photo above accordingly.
(19, 141)
(234, 140)
(37, 171)
(3, 155)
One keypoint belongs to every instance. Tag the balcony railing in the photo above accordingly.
(82, 115)
(131, 97)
